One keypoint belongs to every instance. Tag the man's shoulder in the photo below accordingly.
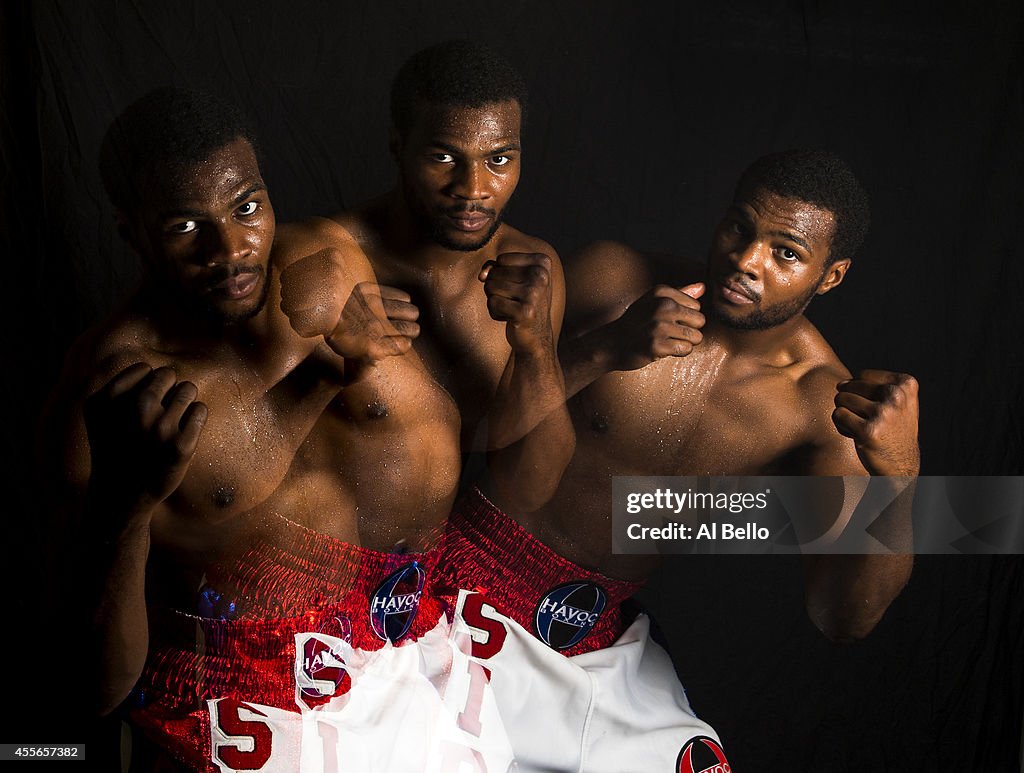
(602, 279)
(310, 228)
(816, 367)
(605, 277)
(91, 361)
(816, 371)
(313, 233)
(616, 269)
(353, 221)
(365, 224)
(511, 239)
(609, 255)
(302, 238)
(104, 350)
(827, 451)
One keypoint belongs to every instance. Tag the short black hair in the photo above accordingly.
(457, 73)
(168, 126)
(820, 178)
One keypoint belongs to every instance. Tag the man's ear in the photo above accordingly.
(834, 275)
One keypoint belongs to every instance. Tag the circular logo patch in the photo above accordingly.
(567, 613)
(702, 755)
(394, 604)
(320, 669)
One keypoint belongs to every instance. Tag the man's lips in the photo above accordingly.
(469, 221)
(238, 285)
(735, 292)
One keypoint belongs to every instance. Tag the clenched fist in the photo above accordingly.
(663, 322)
(364, 322)
(143, 429)
(878, 410)
(314, 290)
(376, 322)
(518, 288)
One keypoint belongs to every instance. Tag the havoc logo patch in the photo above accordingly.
(396, 601)
(702, 755)
(320, 661)
(567, 613)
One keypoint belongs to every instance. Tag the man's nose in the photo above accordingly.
(227, 243)
(470, 182)
(747, 258)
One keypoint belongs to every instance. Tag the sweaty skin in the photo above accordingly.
(386, 450)
(198, 394)
(732, 400)
(491, 297)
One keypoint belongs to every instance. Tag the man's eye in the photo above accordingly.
(787, 254)
(249, 208)
(499, 160)
(444, 158)
(184, 227)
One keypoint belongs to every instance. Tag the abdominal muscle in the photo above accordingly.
(381, 466)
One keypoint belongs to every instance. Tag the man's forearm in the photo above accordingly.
(847, 594)
(120, 630)
(530, 433)
(531, 390)
(584, 360)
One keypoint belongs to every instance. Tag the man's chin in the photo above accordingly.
(757, 319)
(234, 313)
(460, 241)
(236, 316)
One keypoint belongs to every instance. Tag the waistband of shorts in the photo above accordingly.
(488, 551)
(301, 569)
(242, 642)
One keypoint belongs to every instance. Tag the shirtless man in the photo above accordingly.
(492, 300)
(491, 297)
(754, 391)
(202, 517)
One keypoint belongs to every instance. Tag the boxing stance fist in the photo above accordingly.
(365, 322)
(143, 429)
(377, 322)
(878, 411)
(518, 288)
(663, 322)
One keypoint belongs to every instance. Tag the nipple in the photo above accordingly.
(224, 496)
(376, 410)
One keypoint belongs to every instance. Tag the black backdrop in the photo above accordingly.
(642, 116)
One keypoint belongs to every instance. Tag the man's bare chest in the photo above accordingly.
(462, 347)
(256, 419)
(688, 417)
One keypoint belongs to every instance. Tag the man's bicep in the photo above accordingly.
(557, 296)
(62, 454)
(834, 455)
(601, 280)
(821, 501)
(829, 452)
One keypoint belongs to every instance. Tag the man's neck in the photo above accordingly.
(193, 327)
(767, 344)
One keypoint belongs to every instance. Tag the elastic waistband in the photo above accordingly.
(572, 609)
